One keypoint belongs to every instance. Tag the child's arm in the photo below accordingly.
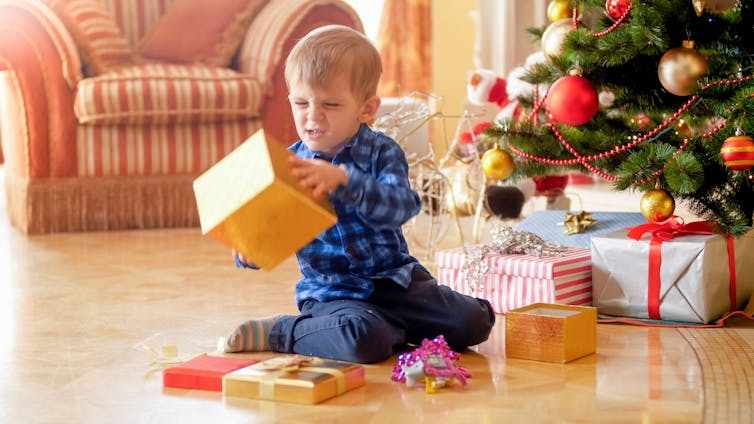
(317, 176)
(382, 196)
(241, 261)
(386, 199)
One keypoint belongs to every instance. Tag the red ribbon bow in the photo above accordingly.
(667, 230)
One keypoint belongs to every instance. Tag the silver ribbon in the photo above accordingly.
(505, 241)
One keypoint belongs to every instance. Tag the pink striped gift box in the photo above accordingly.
(514, 281)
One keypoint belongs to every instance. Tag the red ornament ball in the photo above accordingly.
(616, 8)
(572, 100)
(738, 152)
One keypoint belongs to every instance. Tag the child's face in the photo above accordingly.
(328, 116)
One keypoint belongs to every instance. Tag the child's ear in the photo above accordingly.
(369, 110)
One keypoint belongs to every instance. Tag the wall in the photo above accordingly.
(502, 45)
(453, 35)
(505, 43)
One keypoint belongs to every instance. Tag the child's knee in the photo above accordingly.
(370, 340)
(474, 325)
(483, 316)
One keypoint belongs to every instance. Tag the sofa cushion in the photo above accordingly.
(137, 17)
(161, 93)
(100, 40)
(210, 31)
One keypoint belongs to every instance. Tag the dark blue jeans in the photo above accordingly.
(372, 330)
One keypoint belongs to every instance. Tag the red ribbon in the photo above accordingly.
(668, 230)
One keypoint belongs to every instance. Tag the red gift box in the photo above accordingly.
(203, 372)
(514, 281)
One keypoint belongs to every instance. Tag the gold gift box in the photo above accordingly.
(250, 201)
(308, 383)
(550, 332)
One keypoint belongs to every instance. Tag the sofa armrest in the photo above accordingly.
(280, 24)
(41, 67)
(270, 38)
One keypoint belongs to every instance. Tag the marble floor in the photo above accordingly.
(78, 310)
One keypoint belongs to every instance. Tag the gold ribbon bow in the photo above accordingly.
(280, 366)
(577, 223)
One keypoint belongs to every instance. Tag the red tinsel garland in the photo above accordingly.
(586, 160)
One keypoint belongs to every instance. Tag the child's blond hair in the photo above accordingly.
(330, 50)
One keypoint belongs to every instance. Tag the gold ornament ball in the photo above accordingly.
(680, 68)
(559, 9)
(497, 164)
(713, 6)
(657, 205)
(555, 35)
(699, 6)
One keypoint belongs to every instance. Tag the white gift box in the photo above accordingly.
(693, 283)
(514, 280)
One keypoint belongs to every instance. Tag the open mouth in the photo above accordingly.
(315, 133)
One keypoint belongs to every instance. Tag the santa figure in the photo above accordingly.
(485, 88)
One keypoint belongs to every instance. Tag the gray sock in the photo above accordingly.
(251, 336)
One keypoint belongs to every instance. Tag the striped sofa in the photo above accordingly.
(119, 149)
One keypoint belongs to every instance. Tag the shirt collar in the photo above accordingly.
(359, 148)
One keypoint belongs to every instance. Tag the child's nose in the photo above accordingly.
(315, 113)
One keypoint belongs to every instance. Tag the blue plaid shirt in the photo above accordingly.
(367, 242)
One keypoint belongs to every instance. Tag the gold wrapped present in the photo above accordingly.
(294, 379)
(250, 201)
(551, 332)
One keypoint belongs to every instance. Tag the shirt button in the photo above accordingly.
(351, 250)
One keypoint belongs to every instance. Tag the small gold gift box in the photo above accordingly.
(290, 379)
(550, 332)
(250, 201)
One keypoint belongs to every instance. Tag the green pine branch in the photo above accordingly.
(625, 62)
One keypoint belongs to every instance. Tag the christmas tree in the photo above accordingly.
(653, 95)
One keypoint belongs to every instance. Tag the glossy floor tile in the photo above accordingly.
(76, 311)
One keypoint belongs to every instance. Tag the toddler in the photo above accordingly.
(362, 296)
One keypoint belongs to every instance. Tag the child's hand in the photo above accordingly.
(317, 176)
(241, 261)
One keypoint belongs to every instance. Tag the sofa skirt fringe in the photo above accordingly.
(55, 205)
